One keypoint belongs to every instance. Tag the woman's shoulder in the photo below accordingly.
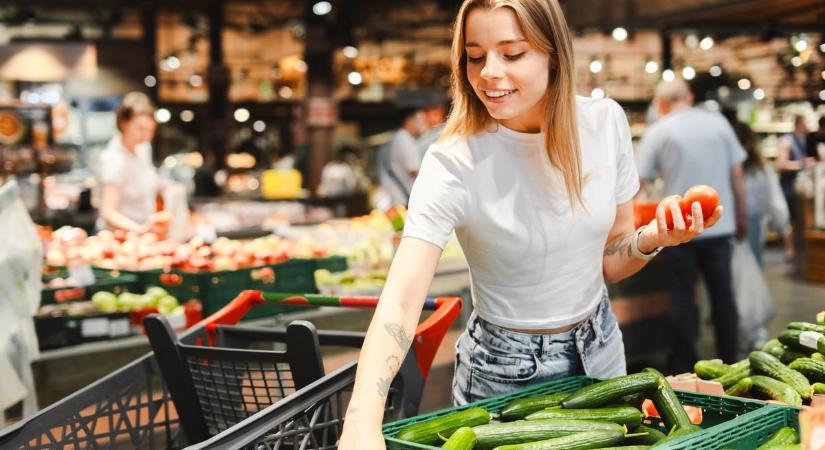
(451, 149)
(598, 109)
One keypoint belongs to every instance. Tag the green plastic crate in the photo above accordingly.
(332, 263)
(104, 281)
(745, 421)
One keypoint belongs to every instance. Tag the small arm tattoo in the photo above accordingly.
(393, 362)
(384, 387)
(401, 337)
(619, 244)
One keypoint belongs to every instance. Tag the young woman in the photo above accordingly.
(128, 180)
(538, 185)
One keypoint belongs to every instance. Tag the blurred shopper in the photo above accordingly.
(128, 181)
(399, 158)
(538, 186)
(689, 146)
(763, 196)
(816, 141)
(435, 116)
(792, 156)
(344, 175)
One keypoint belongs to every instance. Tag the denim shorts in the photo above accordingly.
(491, 360)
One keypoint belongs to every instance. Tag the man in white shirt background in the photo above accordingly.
(399, 158)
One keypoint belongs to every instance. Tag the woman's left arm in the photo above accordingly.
(620, 261)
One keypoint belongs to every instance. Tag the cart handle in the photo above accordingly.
(428, 334)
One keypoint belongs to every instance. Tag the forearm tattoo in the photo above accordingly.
(621, 243)
(384, 387)
(401, 337)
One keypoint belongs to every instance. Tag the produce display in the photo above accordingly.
(108, 302)
(605, 414)
(789, 369)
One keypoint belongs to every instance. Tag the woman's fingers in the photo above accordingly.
(698, 220)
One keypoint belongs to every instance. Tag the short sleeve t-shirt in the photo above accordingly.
(135, 177)
(534, 262)
(694, 146)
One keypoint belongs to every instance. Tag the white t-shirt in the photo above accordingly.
(397, 158)
(533, 263)
(135, 178)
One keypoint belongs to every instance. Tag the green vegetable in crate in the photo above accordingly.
(738, 371)
(106, 302)
(623, 415)
(810, 340)
(635, 400)
(812, 369)
(521, 431)
(818, 356)
(668, 405)
(627, 447)
(579, 441)
(129, 301)
(819, 388)
(786, 447)
(676, 434)
(427, 432)
(806, 326)
(767, 387)
(790, 355)
(464, 438)
(603, 392)
(741, 388)
(820, 317)
(774, 347)
(708, 370)
(783, 436)
(645, 435)
(521, 408)
(766, 364)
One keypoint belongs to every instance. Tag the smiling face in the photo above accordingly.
(506, 72)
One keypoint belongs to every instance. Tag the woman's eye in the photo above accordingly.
(513, 57)
(476, 60)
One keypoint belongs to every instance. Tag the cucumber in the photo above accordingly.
(819, 388)
(790, 355)
(677, 433)
(496, 434)
(771, 345)
(741, 388)
(803, 340)
(786, 447)
(668, 405)
(767, 387)
(820, 317)
(623, 415)
(634, 400)
(812, 369)
(818, 356)
(783, 436)
(740, 370)
(427, 432)
(708, 370)
(766, 364)
(598, 394)
(807, 326)
(464, 438)
(627, 447)
(649, 436)
(579, 441)
(521, 408)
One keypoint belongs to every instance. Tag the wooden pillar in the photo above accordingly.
(667, 51)
(217, 116)
(149, 19)
(321, 110)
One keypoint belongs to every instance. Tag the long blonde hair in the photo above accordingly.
(546, 29)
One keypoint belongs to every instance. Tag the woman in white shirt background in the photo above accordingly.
(127, 179)
(537, 184)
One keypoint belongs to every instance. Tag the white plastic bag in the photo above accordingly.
(21, 259)
(753, 299)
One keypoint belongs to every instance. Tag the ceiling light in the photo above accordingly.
(691, 41)
(301, 66)
(801, 45)
(285, 92)
(706, 43)
(150, 81)
(759, 94)
(259, 126)
(351, 51)
(822, 95)
(796, 61)
(715, 71)
(597, 93)
(195, 80)
(651, 67)
(619, 34)
(723, 91)
(596, 66)
(322, 8)
(187, 115)
(162, 115)
(354, 78)
(173, 62)
(668, 75)
(688, 73)
(241, 115)
(744, 84)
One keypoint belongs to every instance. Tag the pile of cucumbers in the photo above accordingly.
(790, 369)
(603, 415)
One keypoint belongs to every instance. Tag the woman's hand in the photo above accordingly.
(656, 233)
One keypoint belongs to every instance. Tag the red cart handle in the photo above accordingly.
(428, 334)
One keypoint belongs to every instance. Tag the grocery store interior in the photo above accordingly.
(200, 201)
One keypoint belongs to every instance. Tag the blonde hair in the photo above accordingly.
(133, 104)
(546, 30)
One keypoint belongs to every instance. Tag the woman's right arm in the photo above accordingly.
(784, 163)
(110, 199)
(388, 338)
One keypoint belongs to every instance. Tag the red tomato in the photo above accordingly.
(665, 201)
(705, 195)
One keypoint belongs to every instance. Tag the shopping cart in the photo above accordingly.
(132, 408)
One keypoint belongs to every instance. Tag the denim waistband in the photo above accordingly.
(509, 341)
